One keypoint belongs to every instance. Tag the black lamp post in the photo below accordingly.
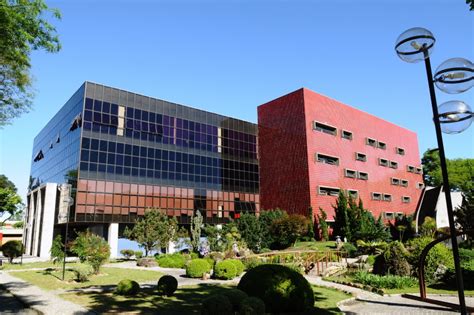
(453, 76)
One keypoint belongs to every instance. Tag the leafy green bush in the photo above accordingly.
(57, 250)
(210, 261)
(167, 285)
(238, 265)
(196, 268)
(82, 272)
(171, 261)
(393, 261)
(438, 256)
(216, 305)
(350, 249)
(282, 289)
(288, 229)
(466, 257)
(92, 249)
(127, 287)
(371, 260)
(384, 282)
(235, 296)
(127, 253)
(12, 249)
(138, 254)
(251, 263)
(252, 306)
(225, 270)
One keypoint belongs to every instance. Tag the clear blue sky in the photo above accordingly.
(230, 56)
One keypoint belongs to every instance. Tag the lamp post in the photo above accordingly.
(453, 76)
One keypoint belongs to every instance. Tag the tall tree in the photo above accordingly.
(152, 231)
(249, 229)
(196, 226)
(465, 215)
(471, 4)
(323, 225)
(23, 28)
(266, 218)
(342, 225)
(460, 171)
(10, 201)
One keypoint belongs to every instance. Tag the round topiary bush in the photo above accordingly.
(236, 297)
(196, 268)
(167, 285)
(281, 288)
(252, 306)
(239, 265)
(127, 287)
(215, 305)
(225, 270)
(12, 249)
(171, 261)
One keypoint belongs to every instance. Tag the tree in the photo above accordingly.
(323, 225)
(10, 201)
(341, 217)
(23, 29)
(471, 4)
(266, 218)
(92, 249)
(310, 236)
(289, 229)
(403, 228)
(6, 183)
(214, 237)
(57, 250)
(196, 226)
(460, 171)
(249, 228)
(464, 216)
(153, 230)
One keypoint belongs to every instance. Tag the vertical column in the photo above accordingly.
(29, 221)
(113, 239)
(36, 224)
(47, 224)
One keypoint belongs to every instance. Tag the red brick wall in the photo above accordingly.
(284, 181)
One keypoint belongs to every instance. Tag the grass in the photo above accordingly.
(322, 246)
(42, 264)
(51, 279)
(431, 289)
(186, 300)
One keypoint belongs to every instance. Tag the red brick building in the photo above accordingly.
(311, 146)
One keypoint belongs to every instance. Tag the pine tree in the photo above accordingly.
(310, 224)
(341, 217)
(196, 225)
(323, 225)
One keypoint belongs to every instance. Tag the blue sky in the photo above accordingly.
(231, 56)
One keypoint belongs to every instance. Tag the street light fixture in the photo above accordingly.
(453, 76)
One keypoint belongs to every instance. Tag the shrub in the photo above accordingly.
(210, 261)
(12, 249)
(371, 260)
(384, 282)
(92, 249)
(127, 253)
(127, 287)
(235, 296)
(438, 256)
(196, 268)
(147, 262)
(138, 254)
(350, 249)
(216, 305)
(57, 250)
(171, 261)
(167, 285)
(282, 289)
(251, 263)
(252, 306)
(288, 229)
(393, 261)
(225, 270)
(82, 272)
(449, 278)
(238, 265)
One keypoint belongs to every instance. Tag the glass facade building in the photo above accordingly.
(123, 153)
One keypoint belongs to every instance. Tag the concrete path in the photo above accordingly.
(40, 300)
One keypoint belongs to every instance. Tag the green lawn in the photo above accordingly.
(187, 300)
(51, 279)
(43, 264)
(322, 246)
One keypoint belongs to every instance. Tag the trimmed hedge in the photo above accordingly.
(171, 261)
(225, 270)
(127, 287)
(216, 305)
(167, 285)
(252, 306)
(281, 288)
(196, 268)
(239, 265)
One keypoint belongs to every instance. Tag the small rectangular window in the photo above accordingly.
(361, 157)
(393, 164)
(376, 196)
(418, 170)
(324, 128)
(371, 142)
(346, 134)
(353, 193)
(410, 169)
(389, 215)
(383, 162)
(400, 151)
(420, 185)
(327, 159)
(328, 191)
(404, 183)
(387, 197)
(363, 175)
(406, 199)
(382, 145)
(350, 173)
(395, 181)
